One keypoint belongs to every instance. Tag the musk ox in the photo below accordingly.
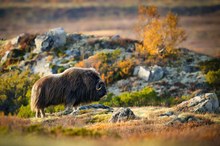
(72, 87)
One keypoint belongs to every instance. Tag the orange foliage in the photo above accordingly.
(125, 67)
(109, 66)
(159, 36)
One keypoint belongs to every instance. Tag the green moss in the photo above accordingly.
(213, 78)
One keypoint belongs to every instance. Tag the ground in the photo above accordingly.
(88, 128)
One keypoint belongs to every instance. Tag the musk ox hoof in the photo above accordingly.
(74, 112)
(67, 111)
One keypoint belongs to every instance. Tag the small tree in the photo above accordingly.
(159, 36)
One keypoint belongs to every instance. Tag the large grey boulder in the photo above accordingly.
(151, 74)
(52, 39)
(156, 73)
(201, 104)
(122, 115)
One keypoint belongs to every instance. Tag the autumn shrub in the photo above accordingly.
(159, 36)
(110, 65)
(15, 90)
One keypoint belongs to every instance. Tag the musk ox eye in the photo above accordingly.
(99, 85)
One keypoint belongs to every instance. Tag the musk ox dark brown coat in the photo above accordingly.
(72, 87)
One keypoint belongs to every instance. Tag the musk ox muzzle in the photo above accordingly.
(72, 87)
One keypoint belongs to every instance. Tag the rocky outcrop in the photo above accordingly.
(122, 115)
(150, 74)
(206, 103)
(52, 39)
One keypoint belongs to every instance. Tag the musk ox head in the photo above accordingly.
(72, 87)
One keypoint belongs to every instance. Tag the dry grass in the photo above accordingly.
(149, 128)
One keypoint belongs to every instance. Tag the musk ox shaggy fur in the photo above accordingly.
(72, 87)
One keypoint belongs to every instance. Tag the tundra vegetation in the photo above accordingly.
(153, 124)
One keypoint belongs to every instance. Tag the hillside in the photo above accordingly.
(160, 84)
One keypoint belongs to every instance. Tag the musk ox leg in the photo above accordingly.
(75, 111)
(42, 113)
(37, 114)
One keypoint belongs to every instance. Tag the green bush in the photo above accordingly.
(25, 112)
(15, 91)
(211, 65)
(53, 109)
(144, 97)
(213, 78)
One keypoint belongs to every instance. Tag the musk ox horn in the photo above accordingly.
(99, 85)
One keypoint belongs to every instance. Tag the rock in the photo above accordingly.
(156, 73)
(15, 41)
(22, 39)
(169, 113)
(42, 67)
(123, 114)
(190, 69)
(52, 39)
(13, 55)
(4, 58)
(142, 73)
(74, 53)
(95, 106)
(201, 104)
(151, 74)
(182, 118)
(115, 37)
(43, 43)
(58, 35)
(74, 37)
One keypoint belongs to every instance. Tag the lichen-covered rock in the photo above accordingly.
(43, 43)
(183, 118)
(52, 39)
(122, 115)
(157, 73)
(201, 104)
(150, 74)
(95, 106)
(12, 56)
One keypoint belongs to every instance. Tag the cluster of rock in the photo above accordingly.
(122, 115)
(205, 103)
(182, 78)
(56, 49)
